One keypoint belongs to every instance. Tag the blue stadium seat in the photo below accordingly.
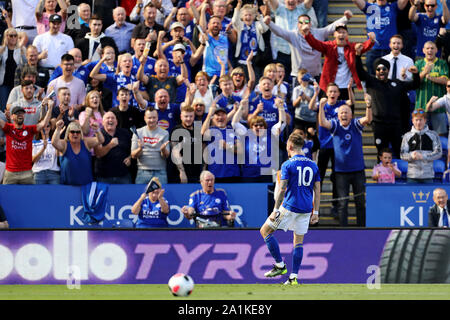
(439, 168)
(402, 165)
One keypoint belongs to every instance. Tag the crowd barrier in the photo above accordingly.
(77, 257)
(60, 207)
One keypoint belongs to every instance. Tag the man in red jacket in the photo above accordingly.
(340, 64)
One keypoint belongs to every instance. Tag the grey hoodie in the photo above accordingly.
(427, 143)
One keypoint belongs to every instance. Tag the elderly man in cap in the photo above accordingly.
(52, 44)
(19, 146)
(387, 96)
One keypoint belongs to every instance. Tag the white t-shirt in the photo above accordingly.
(48, 160)
(56, 46)
(24, 13)
(207, 98)
(343, 74)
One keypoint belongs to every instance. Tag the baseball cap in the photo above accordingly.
(340, 26)
(17, 108)
(220, 109)
(381, 61)
(307, 77)
(179, 46)
(55, 18)
(176, 25)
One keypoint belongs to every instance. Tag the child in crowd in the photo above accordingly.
(385, 171)
(301, 98)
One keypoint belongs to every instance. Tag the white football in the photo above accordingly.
(181, 285)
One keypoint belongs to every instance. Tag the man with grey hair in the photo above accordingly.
(209, 206)
(120, 30)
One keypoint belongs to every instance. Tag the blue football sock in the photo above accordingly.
(274, 248)
(297, 257)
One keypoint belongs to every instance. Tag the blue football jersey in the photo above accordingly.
(151, 215)
(301, 173)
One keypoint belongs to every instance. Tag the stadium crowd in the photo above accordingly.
(124, 91)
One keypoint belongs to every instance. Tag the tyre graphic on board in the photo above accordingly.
(416, 256)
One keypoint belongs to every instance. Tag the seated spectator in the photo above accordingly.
(340, 61)
(113, 155)
(152, 209)
(438, 214)
(209, 204)
(30, 103)
(121, 30)
(381, 16)
(433, 79)
(187, 151)
(93, 113)
(52, 44)
(12, 54)
(258, 153)
(75, 157)
(64, 111)
(221, 153)
(19, 138)
(45, 9)
(150, 147)
(45, 158)
(420, 147)
(385, 171)
(67, 79)
(349, 160)
(94, 40)
(301, 99)
(428, 23)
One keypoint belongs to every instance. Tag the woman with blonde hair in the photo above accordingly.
(12, 54)
(122, 77)
(75, 158)
(93, 113)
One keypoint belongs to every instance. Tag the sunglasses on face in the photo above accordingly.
(258, 125)
(75, 132)
(12, 35)
(303, 22)
(381, 69)
(430, 5)
(238, 74)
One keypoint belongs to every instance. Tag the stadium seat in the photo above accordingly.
(402, 165)
(439, 168)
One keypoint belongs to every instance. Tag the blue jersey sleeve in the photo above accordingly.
(284, 171)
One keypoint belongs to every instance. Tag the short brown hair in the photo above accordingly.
(296, 139)
(187, 109)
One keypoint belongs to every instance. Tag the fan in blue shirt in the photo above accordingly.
(152, 210)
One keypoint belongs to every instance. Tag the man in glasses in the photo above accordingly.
(428, 23)
(433, 79)
(382, 20)
(302, 55)
(387, 101)
(420, 147)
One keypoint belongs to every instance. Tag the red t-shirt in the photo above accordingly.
(19, 147)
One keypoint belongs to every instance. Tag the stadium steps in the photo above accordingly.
(357, 33)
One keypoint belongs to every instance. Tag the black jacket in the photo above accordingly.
(434, 215)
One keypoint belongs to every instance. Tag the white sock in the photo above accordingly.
(280, 264)
(292, 276)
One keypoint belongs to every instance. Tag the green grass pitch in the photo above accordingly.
(230, 291)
